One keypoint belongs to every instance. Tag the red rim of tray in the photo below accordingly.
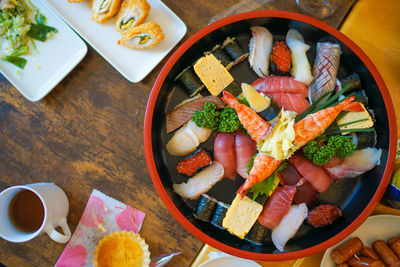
(209, 240)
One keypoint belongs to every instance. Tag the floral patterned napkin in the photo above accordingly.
(101, 216)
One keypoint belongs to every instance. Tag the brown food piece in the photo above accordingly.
(342, 265)
(183, 113)
(364, 262)
(324, 214)
(385, 252)
(346, 250)
(395, 245)
(393, 239)
(370, 253)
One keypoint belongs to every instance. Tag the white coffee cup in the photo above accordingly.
(55, 204)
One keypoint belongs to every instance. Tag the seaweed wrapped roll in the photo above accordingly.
(205, 208)
(353, 80)
(190, 81)
(361, 96)
(271, 112)
(234, 49)
(364, 139)
(102, 10)
(146, 35)
(219, 214)
(257, 234)
(222, 56)
(131, 14)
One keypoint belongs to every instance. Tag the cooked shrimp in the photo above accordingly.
(315, 124)
(256, 127)
(263, 167)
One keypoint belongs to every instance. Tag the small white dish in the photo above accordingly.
(133, 64)
(54, 59)
(374, 228)
(230, 261)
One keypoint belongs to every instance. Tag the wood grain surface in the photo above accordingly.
(88, 133)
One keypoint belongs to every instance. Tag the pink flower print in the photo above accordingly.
(129, 219)
(94, 211)
(72, 257)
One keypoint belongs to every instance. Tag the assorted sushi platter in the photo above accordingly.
(267, 137)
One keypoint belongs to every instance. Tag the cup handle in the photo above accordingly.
(56, 236)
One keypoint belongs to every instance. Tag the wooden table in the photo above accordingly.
(87, 133)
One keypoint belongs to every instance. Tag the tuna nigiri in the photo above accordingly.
(260, 49)
(201, 182)
(224, 153)
(245, 148)
(361, 161)
(277, 206)
(280, 84)
(314, 174)
(289, 225)
(291, 102)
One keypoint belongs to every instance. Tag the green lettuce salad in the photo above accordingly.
(20, 24)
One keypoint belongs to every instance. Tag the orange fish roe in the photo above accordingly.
(192, 164)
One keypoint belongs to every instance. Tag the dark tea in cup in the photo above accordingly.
(26, 211)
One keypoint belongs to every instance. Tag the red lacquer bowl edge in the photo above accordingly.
(209, 240)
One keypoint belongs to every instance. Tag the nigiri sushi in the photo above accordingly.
(145, 35)
(289, 225)
(245, 148)
(325, 69)
(224, 153)
(361, 161)
(187, 139)
(102, 10)
(260, 47)
(301, 69)
(201, 182)
(131, 14)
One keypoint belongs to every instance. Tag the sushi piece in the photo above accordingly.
(353, 80)
(131, 14)
(324, 214)
(280, 84)
(234, 88)
(291, 102)
(194, 163)
(306, 193)
(224, 153)
(76, 1)
(364, 139)
(281, 58)
(245, 148)
(190, 81)
(234, 49)
(289, 225)
(222, 56)
(289, 175)
(361, 96)
(257, 101)
(260, 46)
(241, 216)
(325, 69)
(355, 120)
(146, 35)
(201, 182)
(315, 175)
(257, 234)
(184, 112)
(277, 206)
(219, 214)
(102, 10)
(213, 74)
(205, 209)
(271, 112)
(187, 139)
(301, 69)
(361, 161)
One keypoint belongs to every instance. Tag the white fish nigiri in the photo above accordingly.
(201, 182)
(289, 225)
(187, 139)
(361, 161)
(260, 47)
(301, 69)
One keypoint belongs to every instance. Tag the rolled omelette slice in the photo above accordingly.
(131, 14)
(102, 10)
(146, 35)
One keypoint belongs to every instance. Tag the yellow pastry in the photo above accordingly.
(145, 35)
(102, 10)
(122, 249)
(131, 14)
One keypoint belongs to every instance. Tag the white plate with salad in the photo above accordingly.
(133, 64)
(37, 48)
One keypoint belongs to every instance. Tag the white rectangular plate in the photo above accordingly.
(133, 64)
(55, 58)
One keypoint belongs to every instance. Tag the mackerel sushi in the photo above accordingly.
(190, 81)
(205, 208)
(219, 214)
